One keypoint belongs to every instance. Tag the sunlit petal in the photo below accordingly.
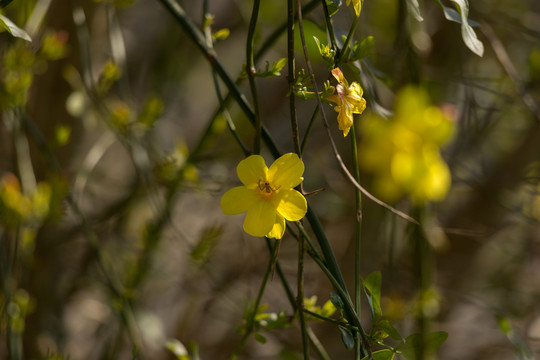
(358, 105)
(338, 75)
(251, 170)
(260, 218)
(238, 200)
(356, 89)
(290, 204)
(286, 172)
(345, 119)
(278, 229)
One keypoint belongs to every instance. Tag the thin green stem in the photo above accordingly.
(344, 50)
(251, 321)
(251, 72)
(300, 297)
(195, 34)
(358, 236)
(330, 320)
(291, 75)
(114, 285)
(308, 130)
(290, 296)
(329, 26)
(350, 314)
(422, 257)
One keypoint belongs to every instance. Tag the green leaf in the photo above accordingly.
(372, 284)
(390, 329)
(467, 32)
(346, 337)
(13, 29)
(261, 339)
(410, 347)
(385, 354)
(338, 303)
(221, 34)
(414, 9)
(364, 49)
(333, 6)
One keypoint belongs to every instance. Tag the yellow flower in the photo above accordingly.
(348, 99)
(403, 152)
(267, 195)
(357, 4)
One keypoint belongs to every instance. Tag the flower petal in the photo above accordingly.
(358, 106)
(238, 200)
(345, 119)
(290, 204)
(251, 170)
(338, 75)
(286, 172)
(356, 89)
(260, 218)
(279, 228)
(335, 98)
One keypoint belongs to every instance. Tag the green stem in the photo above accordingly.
(329, 26)
(251, 321)
(350, 314)
(343, 53)
(330, 320)
(195, 34)
(112, 280)
(251, 72)
(290, 296)
(291, 75)
(308, 130)
(300, 297)
(358, 237)
(422, 255)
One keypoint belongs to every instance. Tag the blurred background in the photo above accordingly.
(113, 108)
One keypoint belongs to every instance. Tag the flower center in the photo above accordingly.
(266, 188)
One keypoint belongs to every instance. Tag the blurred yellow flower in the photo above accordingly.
(357, 4)
(404, 152)
(267, 195)
(348, 99)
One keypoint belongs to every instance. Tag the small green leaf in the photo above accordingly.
(328, 309)
(390, 329)
(372, 284)
(261, 339)
(338, 303)
(504, 325)
(333, 6)
(346, 337)
(178, 349)
(385, 354)
(414, 9)
(221, 34)
(364, 49)
(461, 16)
(13, 29)
(409, 348)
